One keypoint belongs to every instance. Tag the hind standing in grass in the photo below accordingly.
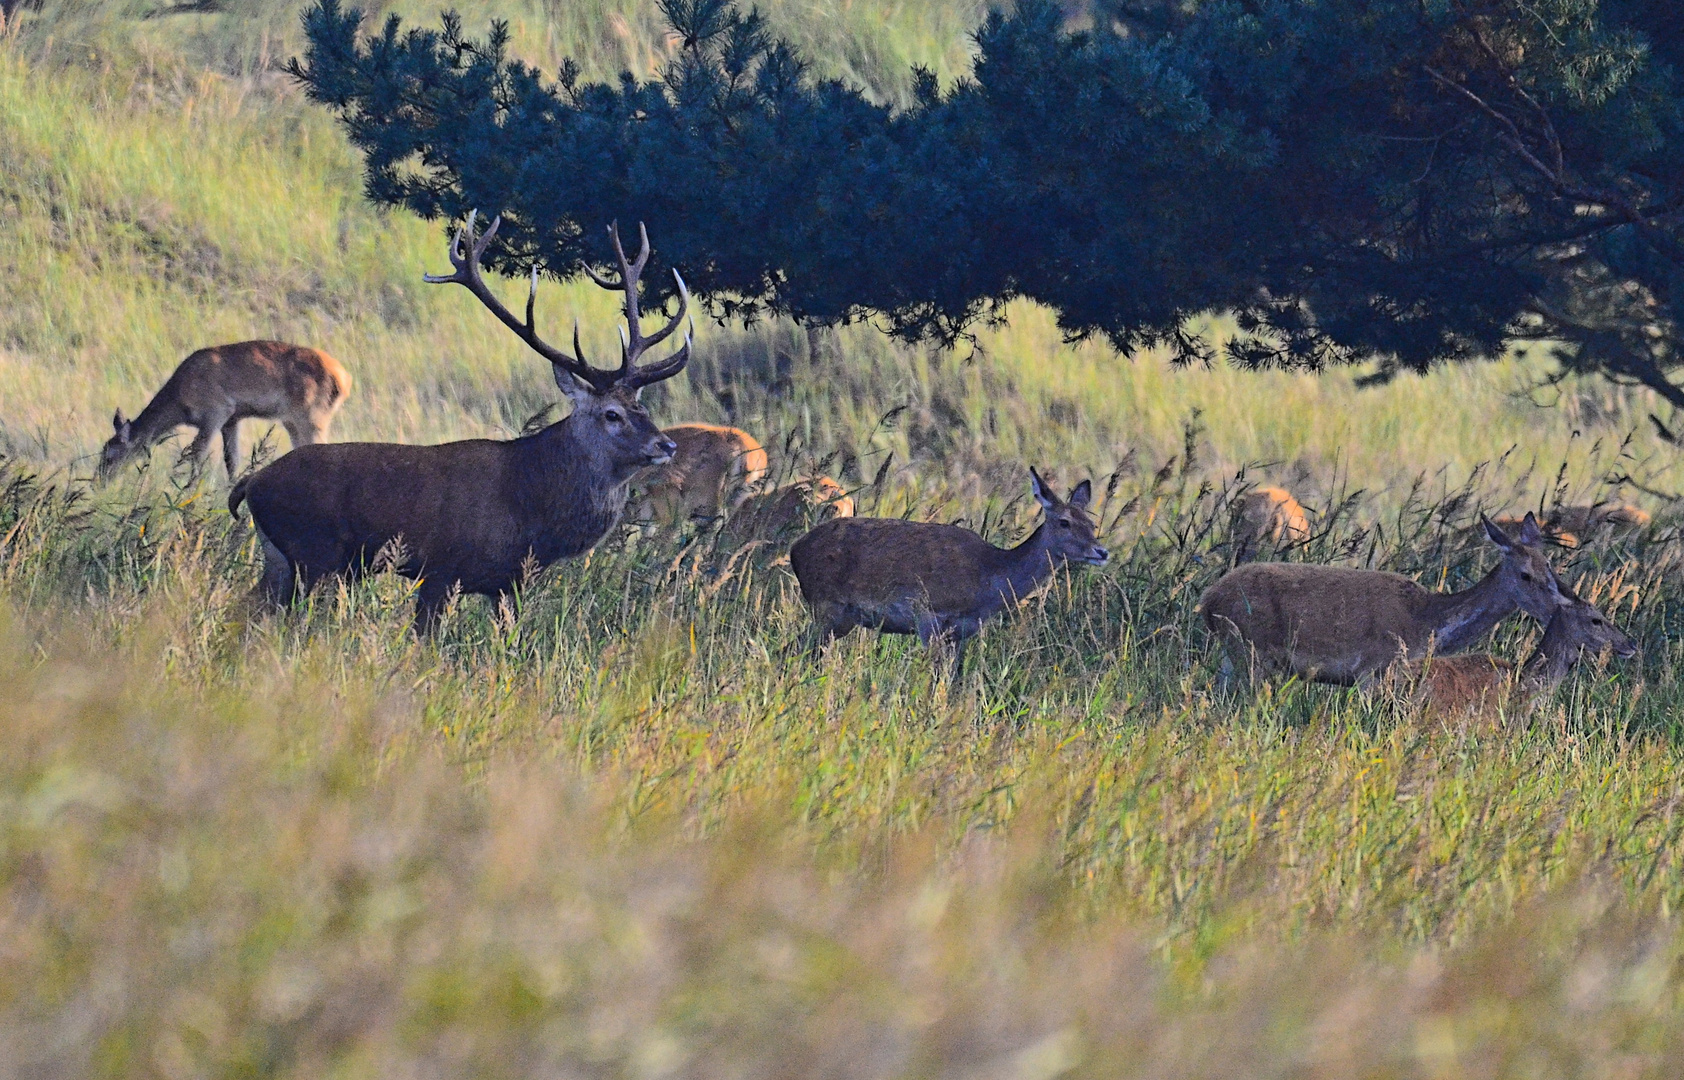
(940, 582)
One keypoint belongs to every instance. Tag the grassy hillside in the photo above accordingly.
(627, 829)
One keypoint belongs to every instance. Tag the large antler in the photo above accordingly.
(632, 342)
(465, 252)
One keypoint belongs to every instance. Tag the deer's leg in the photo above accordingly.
(832, 621)
(231, 447)
(431, 598)
(199, 448)
(279, 583)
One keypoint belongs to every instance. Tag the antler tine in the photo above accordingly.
(465, 252)
(577, 350)
(676, 321)
(667, 368)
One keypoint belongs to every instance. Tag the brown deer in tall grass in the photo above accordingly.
(940, 582)
(714, 469)
(215, 388)
(472, 515)
(1267, 515)
(793, 509)
(1340, 625)
(1479, 684)
(1571, 525)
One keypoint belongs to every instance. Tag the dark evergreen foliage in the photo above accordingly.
(1397, 181)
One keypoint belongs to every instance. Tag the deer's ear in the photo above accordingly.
(1084, 492)
(570, 385)
(1530, 534)
(1495, 533)
(1044, 494)
(119, 421)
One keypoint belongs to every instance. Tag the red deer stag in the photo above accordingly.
(471, 514)
(214, 389)
(940, 582)
(1340, 625)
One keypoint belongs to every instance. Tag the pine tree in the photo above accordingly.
(1397, 182)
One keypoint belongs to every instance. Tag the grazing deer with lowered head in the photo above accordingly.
(473, 514)
(1267, 514)
(1571, 525)
(714, 469)
(796, 507)
(1339, 625)
(940, 582)
(1481, 684)
(214, 389)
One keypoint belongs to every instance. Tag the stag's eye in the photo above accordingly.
(1526, 575)
(613, 416)
(1063, 523)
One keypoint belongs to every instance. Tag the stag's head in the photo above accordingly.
(1068, 532)
(609, 421)
(1526, 573)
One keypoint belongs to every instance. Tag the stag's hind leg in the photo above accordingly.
(279, 583)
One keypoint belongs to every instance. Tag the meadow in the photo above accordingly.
(624, 828)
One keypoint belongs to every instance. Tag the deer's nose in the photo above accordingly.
(662, 450)
(1098, 555)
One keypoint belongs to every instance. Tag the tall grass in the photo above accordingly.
(625, 826)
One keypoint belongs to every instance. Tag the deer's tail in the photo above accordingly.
(238, 496)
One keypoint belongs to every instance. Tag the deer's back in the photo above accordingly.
(876, 562)
(1271, 513)
(712, 465)
(778, 514)
(262, 378)
(1334, 621)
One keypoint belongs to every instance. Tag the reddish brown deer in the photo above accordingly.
(1339, 625)
(714, 470)
(1571, 525)
(940, 582)
(795, 508)
(1479, 684)
(1267, 515)
(214, 389)
(472, 514)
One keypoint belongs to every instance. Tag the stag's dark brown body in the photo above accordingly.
(472, 515)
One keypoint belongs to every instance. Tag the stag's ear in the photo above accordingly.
(119, 421)
(1530, 534)
(1494, 532)
(1044, 494)
(574, 387)
(1079, 498)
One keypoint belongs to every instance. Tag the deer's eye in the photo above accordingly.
(613, 416)
(1063, 524)
(1525, 575)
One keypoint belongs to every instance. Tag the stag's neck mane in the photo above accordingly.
(569, 489)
